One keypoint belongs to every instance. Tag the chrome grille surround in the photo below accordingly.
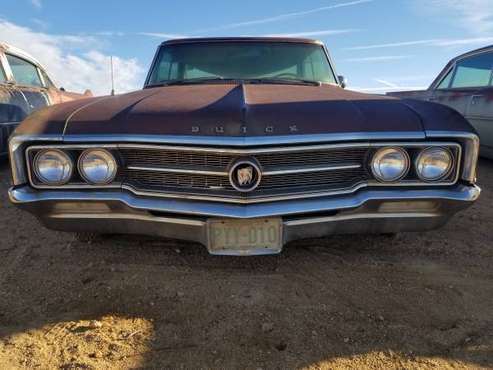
(288, 172)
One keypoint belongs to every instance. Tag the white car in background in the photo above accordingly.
(24, 88)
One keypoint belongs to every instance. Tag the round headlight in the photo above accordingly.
(53, 167)
(390, 164)
(434, 164)
(97, 166)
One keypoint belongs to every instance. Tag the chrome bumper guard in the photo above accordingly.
(367, 211)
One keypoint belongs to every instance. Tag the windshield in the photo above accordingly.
(241, 61)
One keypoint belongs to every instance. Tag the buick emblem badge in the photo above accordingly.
(244, 175)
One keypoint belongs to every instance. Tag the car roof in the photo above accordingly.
(241, 39)
(472, 52)
(20, 53)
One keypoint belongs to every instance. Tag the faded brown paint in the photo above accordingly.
(243, 110)
(58, 96)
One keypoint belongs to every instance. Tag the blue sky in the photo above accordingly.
(378, 45)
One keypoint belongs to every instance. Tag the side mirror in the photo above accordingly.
(342, 81)
(62, 89)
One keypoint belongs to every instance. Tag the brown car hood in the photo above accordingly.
(242, 110)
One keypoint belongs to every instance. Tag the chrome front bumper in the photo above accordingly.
(367, 211)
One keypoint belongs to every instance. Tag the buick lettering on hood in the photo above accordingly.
(243, 145)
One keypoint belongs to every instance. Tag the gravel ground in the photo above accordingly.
(420, 300)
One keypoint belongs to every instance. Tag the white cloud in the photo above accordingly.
(314, 33)
(397, 80)
(429, 42)
(75, 62)
(282, 17)
(110, 33)
(162, 35)
(37, 3)
(392, 44)
(461, 42)
(385, 89)
(42, 25)
(382, 58)
(386, 83)
(392, 84)
(476, 16)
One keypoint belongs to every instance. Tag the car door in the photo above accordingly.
(480, 114)
(29, 82)
(456, 97)
(13, 105)
(467, 87)
(480, 108)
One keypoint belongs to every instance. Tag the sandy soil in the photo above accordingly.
(416, 301)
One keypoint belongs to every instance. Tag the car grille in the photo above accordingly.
(285, 172)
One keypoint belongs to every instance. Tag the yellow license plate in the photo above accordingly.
(255, 236)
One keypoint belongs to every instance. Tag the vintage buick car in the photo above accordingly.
(24, 88)
(466, 84)
(244, 144)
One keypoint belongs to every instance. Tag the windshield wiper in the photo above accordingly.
(204, 80)
(191, 81)
(284, 81)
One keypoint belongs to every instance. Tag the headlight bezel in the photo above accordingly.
(445, 174)
(395, 179)
(82, 171)
(41, 178)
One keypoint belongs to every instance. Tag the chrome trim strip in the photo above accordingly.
(80, 109)
(282, 149)
(178, 170)
(226, 174)
(233, 200)
(250, 200)
(129, 216)
(225, 141)
(359, 216)
(311, 170)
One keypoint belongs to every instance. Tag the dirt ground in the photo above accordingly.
(421, 300)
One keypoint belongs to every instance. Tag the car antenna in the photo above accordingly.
(112, 77)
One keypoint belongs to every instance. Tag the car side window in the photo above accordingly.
(475, 71)
(24, 72)
(47, 80)
(445, 83)
(3, 77)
